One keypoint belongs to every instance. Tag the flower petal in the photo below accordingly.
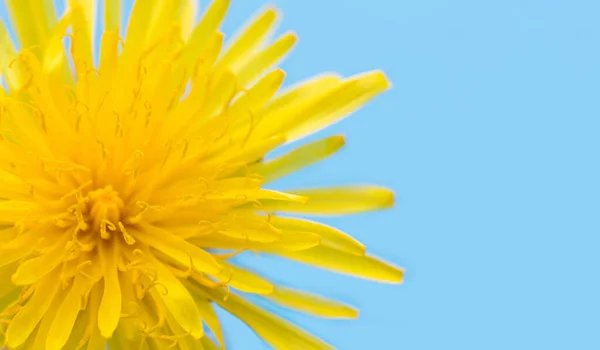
(248, 39)
(360, 266)
(336, 200)
(109, 311)
(298, 158)
(265, 59)
(178, 301)
(330, 236)
(244, 280)
(25, 12)
(274, 330)
(311, 304)
(67, 315)
(25, 321)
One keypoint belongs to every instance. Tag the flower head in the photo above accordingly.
(127, 187)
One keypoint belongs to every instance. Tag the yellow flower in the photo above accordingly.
(127, 187)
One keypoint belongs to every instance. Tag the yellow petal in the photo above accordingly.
(109, 311)
(13, 187)
(292, 241)
(311, 304)
(33, 269)
(82, 37)
(54, 54)
(109, 53)
(222, 90)
(112, 15)
(298, 158)
(335, 105)
(97, 341)
(367, 267)
(144, 12)
(209, 316)
(18, 248)
(208, 344)
(265, 59)
(23, 324)
(67, 314)
(25, 13)
(89, 14)
(248, 39)
(336, 200)
(7, 288)
(330, 236)
(7, 54)
(204, 31)
(257, 150)
(274, 330)
(244, 280)
(177, 248)
(178, 301)
(275, 117)
(13, 211)
(257, 95)
(41, 332)
(78, 333)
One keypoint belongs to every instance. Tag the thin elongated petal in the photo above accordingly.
(360, 266)
(7, 54)
(179, 302)
(276, 331)
(13, 211)
(179, 249)
(245, 281)
(30, 315)
(34, 269)
(329, 235)
(68, 311)
(298, 158)
(337, 200)
(265, 59)
(109, 311)
(248, 39)
(201, 34)
(311, 304)
(209, 316)
(354, 93)
(25, 12)
(112, 15)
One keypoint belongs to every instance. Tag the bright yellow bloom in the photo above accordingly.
(127, 187)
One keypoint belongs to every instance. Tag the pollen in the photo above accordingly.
(128, 187)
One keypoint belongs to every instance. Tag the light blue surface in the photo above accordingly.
(490, 139)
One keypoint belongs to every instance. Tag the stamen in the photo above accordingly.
(76, 190)
(75, 209)
(155, 284)
(133, 164)
(144, 206)
(82, 246)
(104, 149)
(104, 225)
(161, 319)
(126, 236)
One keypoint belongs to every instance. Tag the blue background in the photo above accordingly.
(490, 139)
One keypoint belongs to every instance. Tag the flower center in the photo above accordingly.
(105, 208)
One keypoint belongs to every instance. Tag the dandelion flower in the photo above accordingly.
(127, 187)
